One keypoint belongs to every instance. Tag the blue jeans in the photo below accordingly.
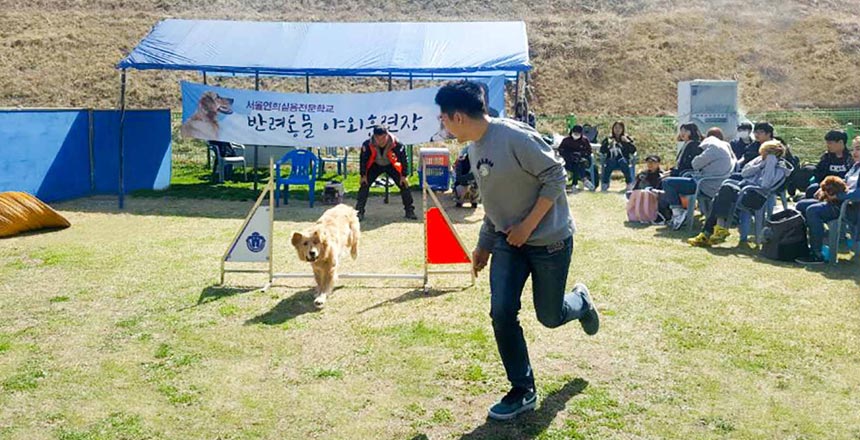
(811, 190)
(817, 214)
(613, 164)
(510, 267)
(675, 187)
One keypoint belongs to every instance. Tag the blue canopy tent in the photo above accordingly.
(405, 50)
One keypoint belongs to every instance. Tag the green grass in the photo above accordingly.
(114, 328)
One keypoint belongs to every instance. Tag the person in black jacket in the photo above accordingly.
(617, 151)
(690, 135)
(382, 153)
(762, 132)
(835, 162)
(650, 178)
(744, 139)
(575, 149)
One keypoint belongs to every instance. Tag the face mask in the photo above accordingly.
(577, 136)
(745, 135)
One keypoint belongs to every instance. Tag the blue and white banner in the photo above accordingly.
(305, 120)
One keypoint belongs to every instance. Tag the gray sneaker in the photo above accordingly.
(591, 320)
(588, 185)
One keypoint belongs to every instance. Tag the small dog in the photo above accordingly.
(830, 187)
(203, 124)
(323, 243)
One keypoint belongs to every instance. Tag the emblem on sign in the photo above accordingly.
(256, 242)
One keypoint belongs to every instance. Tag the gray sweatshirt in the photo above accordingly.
(716, 160)
(764, 173)
(513, 166)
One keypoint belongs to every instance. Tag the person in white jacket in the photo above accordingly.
(764, 171)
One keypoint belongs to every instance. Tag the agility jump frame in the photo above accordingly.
(254, 225)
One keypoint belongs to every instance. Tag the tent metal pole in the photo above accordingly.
(389, 81)
(204, 78)
(410, 80)
(257, 88)
(121, 135)
(517, 91)
(307, 83)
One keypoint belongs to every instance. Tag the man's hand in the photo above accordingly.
(519, 234)
(403, 182)
(479, 259)
(819, 194)
(363, 180)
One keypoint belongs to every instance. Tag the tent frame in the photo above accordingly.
(409, 74)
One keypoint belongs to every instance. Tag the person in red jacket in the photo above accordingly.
(382, 153)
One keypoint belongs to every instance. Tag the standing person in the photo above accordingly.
(575, 150)
(617, 151)
(383, 153)
(527, 228)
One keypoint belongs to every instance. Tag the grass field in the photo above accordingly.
(116, 329)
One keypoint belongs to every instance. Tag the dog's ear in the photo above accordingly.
(318, 236)
(297, 238)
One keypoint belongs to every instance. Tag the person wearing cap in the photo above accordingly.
(575, 150)
(383, 153)
(651, 177)
(835, 162)
(744, 139)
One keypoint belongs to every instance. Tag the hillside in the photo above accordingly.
(590, 56)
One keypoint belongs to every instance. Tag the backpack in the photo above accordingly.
(800, 179)
(642, 206)
(784, 237)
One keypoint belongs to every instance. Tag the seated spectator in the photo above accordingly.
(764, 171)
(650, 178)
(715, 160)
(826, 206)
(523, 115)
(744, 139)
(465, 185)
(690, 136)
(835, 162)
(717, 133)
(575, 149)
(617, 151)
(762, 132)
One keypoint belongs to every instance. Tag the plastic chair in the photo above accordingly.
(602, 161)
(692, 199)
(332, 155)
(835, 231)
(303, 171)
(222, 162)
(758, 216)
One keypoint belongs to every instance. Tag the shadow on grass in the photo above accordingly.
(298, 304)
(413, 295)
(530, 425)
(215, 293)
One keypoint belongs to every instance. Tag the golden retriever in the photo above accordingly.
(203, 124)
(323, 243)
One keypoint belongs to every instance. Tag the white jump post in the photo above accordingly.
(254, 241)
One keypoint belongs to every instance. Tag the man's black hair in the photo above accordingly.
(765, 127)
(745, 126)
(836, 136)
(379, 130)
(462, 96)
(576, 129)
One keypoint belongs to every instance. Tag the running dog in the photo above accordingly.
(323, 244)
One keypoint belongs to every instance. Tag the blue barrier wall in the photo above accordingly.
(48, 152)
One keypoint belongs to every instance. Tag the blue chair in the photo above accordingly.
(303, 171)
(332, 155)
(703, 200)
(843, 226)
